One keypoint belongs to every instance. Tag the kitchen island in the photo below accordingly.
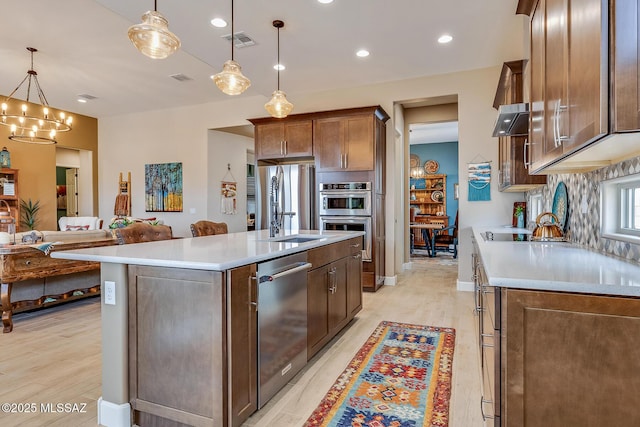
(558, 327)
(180, 321)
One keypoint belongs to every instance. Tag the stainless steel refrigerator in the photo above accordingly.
(296, 196)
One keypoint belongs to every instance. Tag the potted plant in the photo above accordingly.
(29, 213)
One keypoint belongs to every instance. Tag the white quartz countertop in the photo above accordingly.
(554, 266)
(217, 253)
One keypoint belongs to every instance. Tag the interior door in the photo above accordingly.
(72, 192)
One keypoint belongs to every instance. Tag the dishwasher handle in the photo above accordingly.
(299, 266)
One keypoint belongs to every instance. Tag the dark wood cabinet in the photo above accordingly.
(626, 66)
(344, 143)
(569, 78)
(334, 291)
(569, 359)
(354, 278)
(282, 138)
(243, 341)
(513, 155)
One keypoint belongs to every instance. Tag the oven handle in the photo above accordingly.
(299, 266)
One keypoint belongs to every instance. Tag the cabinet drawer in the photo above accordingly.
(329, 253)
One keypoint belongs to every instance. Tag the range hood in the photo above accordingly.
(513, 120)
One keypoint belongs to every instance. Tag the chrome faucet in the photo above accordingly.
(274, 202)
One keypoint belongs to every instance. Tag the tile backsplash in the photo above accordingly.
(583, 221)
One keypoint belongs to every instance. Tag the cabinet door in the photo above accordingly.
(354, 281)
(317, 313)
(504, 149)
(269, 141)
(284, 139)
(587, 73)
(359, 142)
(243, 343)
(328, 138)
(337, 306)
(626, 69)
(570, 359)
(555, 96)
(537, 118)
(298, 138)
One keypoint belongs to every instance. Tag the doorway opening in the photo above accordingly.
(74, 182)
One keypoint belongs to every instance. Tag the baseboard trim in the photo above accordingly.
(390, 280)
(407, 266)
(465, 286)
(113, 414)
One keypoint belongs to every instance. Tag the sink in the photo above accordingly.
(297, 238)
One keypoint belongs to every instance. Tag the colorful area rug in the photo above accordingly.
(401, 377)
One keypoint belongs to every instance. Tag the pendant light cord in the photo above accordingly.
(279, 58)
(155, 5)
(232, 33)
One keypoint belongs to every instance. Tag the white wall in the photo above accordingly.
(225, 148)
(127, 143)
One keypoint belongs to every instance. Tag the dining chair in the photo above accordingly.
(208, 228)
(140, 232)
(446, 239)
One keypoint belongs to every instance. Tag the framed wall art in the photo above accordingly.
(163, 187)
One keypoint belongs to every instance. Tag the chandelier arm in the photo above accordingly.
(16, 89)
(41, 95)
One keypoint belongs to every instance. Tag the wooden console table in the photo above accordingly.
(24, 262)
(426, 234)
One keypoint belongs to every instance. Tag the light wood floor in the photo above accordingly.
(53, 356)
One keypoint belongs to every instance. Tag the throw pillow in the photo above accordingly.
(76, 227)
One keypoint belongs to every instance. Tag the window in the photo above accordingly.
(630, 208)
(620, 208)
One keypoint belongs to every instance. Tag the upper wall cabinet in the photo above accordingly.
(344, 143)
(513, 173)
(282, 138)
(626, 69)
(569, 78)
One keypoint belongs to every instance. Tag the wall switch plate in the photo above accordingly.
(192, 210)
(110, 292)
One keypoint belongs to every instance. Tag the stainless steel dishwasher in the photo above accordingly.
(282, 322)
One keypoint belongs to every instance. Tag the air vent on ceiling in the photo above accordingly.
(240, 39)
(87, 97)
(180, 77)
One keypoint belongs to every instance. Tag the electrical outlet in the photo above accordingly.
(110, 293)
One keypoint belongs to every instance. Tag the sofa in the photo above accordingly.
(32, 279)
(79, 223)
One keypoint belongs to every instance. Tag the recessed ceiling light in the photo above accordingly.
(362, 53)
(325, 1)
(82, 100)
(279, 67)
(218, 22)
(445, 38)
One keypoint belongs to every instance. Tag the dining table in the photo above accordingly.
(427, 234)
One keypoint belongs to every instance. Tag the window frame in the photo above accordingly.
(613, 206)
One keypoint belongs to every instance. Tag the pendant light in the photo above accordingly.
(278, 106)
(230, 80)
(152, 36)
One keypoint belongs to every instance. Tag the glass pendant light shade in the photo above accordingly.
(231, 80)
(278, 106)
(152, 37)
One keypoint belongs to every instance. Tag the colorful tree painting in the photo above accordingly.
(163, 187)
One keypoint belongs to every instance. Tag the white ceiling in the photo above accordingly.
(84, 49)
(431, 133)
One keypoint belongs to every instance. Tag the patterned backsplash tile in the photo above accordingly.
(583, 223)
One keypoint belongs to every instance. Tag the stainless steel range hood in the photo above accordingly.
(513, 120)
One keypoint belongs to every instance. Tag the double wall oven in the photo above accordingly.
(347, 206)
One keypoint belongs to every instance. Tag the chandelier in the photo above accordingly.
(231, 80)
(152, 36)
(278, 106)
(34, 129)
